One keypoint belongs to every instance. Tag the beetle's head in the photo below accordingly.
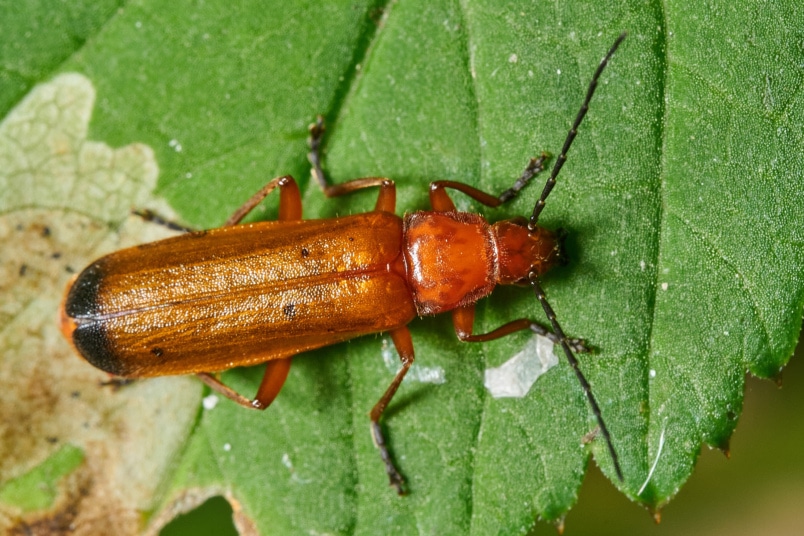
(521, 251)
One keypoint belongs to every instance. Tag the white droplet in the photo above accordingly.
(209, 402)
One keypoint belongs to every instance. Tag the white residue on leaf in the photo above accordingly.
(515, 377)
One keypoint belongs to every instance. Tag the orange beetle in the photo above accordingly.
(263, 292)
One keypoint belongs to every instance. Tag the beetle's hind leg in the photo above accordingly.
(151, 216)
(115, 383)
(290, 206)
(276, 372)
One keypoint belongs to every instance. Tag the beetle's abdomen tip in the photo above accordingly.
(92, 343)
(80, 323)
(67, 324)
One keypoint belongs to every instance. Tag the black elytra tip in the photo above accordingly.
(90, 336)
(82, 299)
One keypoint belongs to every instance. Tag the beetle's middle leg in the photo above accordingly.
(386, 200)
(151, 216)
(404, 346)
(463, 319)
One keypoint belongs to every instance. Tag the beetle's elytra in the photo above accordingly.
(241, 295)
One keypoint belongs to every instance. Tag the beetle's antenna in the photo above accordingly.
(533, 277)
(571, 135)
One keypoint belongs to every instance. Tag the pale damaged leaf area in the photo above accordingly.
(515, 377)
(101, 455)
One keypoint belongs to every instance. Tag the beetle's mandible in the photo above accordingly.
(256, 293)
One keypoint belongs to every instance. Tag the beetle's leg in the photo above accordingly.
(151, 216)
(216, 385)
(441, 202)
(439, 199)
(276, 372)
(463, 319)
(117, 383)
(317, 130)
(386, 201)
(290, 206)
(404, 346)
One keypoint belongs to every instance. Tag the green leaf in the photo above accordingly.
(681, 196)
(36, 490)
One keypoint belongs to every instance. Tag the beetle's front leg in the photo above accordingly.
(463, 319)
(404, 346)
(441, 202)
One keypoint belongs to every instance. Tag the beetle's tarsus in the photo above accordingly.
(535, 166)
(151, 216)
(395, 478)
(317, 130)
(579, 346)
(115, 384)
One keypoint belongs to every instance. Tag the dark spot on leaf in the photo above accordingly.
(23, 269)
(305, 252)
(376, 14)
(158, 352)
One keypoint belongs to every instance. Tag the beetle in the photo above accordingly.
(245, 294)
